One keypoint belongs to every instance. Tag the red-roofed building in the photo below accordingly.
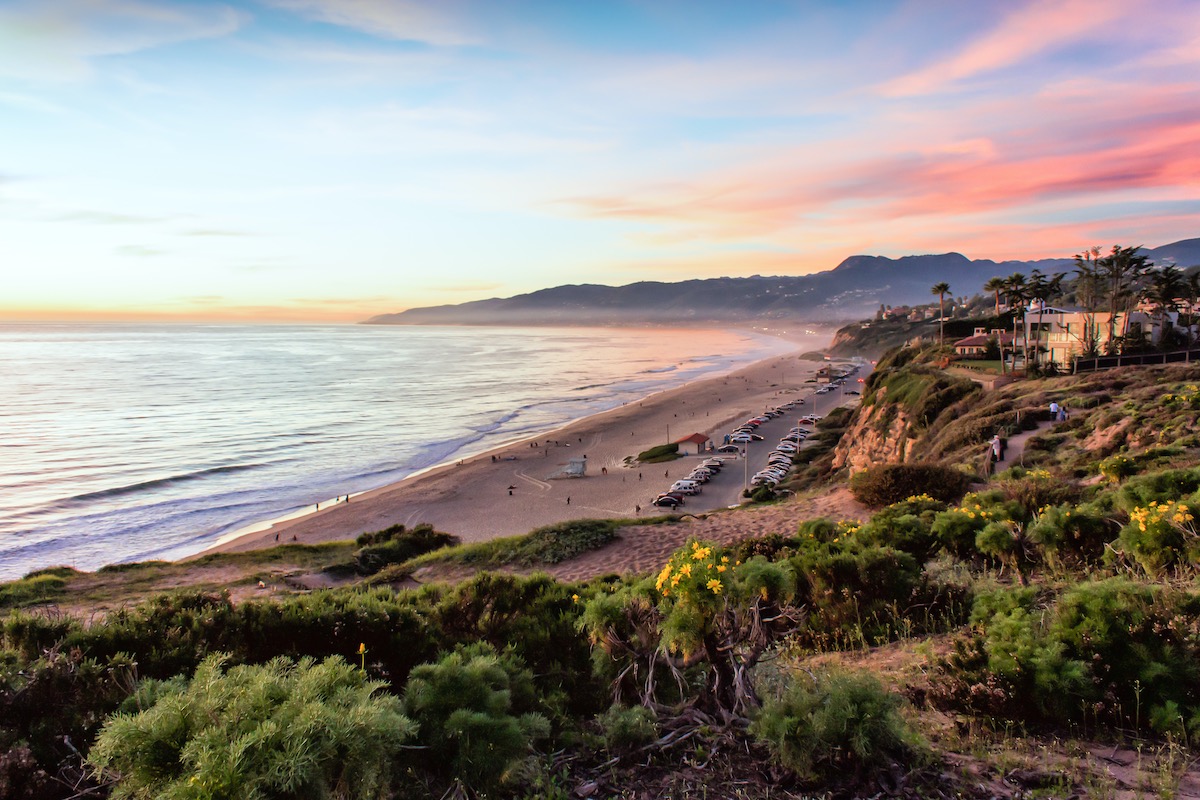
(693, 445)
(976, 345)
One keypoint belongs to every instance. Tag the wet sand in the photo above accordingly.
(513, 489)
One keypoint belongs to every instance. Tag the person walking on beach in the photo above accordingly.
(568, 499)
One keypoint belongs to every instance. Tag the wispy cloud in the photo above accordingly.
(107, 218)
(139, 251)
(215, 232)
(56, 40)
(1033, 28)
(405, 20)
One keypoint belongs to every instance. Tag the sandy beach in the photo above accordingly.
(513, 489)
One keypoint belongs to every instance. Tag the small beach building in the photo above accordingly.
(693, 445)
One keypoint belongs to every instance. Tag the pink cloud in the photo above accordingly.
(1026, 32)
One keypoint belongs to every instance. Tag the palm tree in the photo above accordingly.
(995, 285)
(1015, 293)
(1087, 294)
(1120, 270)
(1166, 289)
(941, 290)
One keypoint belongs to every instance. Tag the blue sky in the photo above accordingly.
(333, 159)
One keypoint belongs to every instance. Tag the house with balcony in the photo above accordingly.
(1065, 333)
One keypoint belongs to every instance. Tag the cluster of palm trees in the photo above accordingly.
(1115, 283)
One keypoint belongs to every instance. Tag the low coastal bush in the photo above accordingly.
(282, 730)
(891, 483)
(834, 721)
(35, 588)
(625, 728)
(660, 453)
(468, 708)
(550, 544)
(396, 544)
(1111, 650)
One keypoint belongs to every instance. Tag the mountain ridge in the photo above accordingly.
(853, 289)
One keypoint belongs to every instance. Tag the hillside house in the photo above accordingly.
(977, 343)
(1063, 333)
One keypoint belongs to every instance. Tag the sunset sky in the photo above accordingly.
(327, 160)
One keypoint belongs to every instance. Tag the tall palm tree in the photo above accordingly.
(995, 285)
(1015, 293)
(941, 290)
(1120, 270)
(1166, 290)
(1087, 294)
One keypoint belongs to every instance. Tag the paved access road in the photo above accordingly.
(725, 489)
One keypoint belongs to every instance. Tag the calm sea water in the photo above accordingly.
(121, 443)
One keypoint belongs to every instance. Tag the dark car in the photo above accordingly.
(667, 501)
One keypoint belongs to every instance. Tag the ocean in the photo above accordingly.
(134, 442)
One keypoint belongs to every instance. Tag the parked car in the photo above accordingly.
(757, 437)
(667, 501)
(744, 438)
(729, 448)
(687, 487)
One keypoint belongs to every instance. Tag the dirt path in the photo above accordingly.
(1016, 446)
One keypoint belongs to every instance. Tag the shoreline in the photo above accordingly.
(509, 489)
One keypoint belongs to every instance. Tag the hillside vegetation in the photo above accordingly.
(1030, 633)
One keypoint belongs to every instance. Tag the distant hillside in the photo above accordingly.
(852, 290)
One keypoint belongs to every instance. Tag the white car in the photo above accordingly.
(741, 438)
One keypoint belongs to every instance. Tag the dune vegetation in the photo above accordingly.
(1029, 633)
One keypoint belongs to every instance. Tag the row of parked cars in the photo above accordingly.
(779, 460)
(692, 484)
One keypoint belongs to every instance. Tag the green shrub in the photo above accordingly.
(280, 730)
(1118, 467)
(891, 483)
(34, 588)
(834, 721)
(1161, 487)
(858, 598)
(1112, 650)
(625, 728)
(1068, 535)
(660, 453)
(906, 526)
(1161, 535)
(463, 705)
(550, 544)
(395, 545)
